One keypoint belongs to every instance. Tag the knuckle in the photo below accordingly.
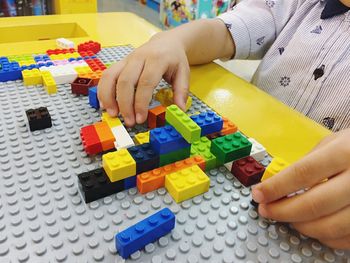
(145, 83)
(301, 172)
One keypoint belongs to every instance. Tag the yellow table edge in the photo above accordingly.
(283, 131)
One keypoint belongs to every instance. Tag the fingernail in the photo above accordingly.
(111, 112)
(258, 196)
(138, 118)
(262, 211)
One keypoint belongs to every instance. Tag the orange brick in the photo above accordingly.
(153, 114)
(105, 135)
(228, 127)
(152, 180)
(95, 76)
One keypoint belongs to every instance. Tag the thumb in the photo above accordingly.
(181, 86)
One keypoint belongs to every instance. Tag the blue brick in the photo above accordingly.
(209, 122)
(144, 232)
(166, 139)
(130, 182)
(93, 100)
(9, 70)
(145, 157)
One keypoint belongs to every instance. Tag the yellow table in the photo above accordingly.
(283, 131)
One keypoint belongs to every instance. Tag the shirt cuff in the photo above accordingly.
(239, 32)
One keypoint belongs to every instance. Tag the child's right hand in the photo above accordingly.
(127, 86)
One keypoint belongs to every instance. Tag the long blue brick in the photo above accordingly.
(209, 122)
(144, 232)
(166, 139)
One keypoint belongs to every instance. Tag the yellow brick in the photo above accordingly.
(32, 77)
(166, 98)
(142, 137)
(119, 165)
(276, 166)
(49, 82)
(187, 183)
(111, 121)
(83, 69)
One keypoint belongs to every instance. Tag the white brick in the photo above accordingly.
(258, 151)
(122, 137)
(64, 43)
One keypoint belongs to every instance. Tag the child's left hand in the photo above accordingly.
(323, 211)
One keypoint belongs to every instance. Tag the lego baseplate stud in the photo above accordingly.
(183, 123)
(248, 171)
(144, 232)
(277, 165)
(230, 147)
(187, 183)
(119, 165)
(39, 119)
(96, 184)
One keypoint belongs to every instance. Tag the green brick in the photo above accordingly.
(173, 157)
(183, 123)
(230, 147)
(202, 148)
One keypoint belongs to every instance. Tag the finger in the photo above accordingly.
(334, 226)
(106, 91)
(322, 200)
(340, 243)
(150, 77)
(305, 173)
(180, 85)
(126, 88)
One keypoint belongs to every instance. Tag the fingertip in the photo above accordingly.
(257, 193)
(112, 112)
(140, 118)
(263, 211)
(129, 122)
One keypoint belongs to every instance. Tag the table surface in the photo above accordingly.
(283, 131)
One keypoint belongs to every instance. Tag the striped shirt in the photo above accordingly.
(305, 59)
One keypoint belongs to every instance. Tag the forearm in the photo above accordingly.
(203, 40)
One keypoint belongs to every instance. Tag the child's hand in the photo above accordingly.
(127, 86)
(323, 211)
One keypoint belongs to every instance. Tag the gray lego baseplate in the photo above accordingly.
(44, 219)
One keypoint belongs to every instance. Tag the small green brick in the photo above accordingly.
(183, 123)
(230, 147)
(202, 148)
(173, 157)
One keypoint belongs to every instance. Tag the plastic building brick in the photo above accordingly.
(80, 86)
(129, 182)
(248, 171)
(183, 123)
(209, 122)
(95, 76)
(258, 151)
(144, 232)
(49, 82)
(9, 70)
(95, 47)
(82, 69)
(96, 184)
(174, 156)
(152, 180)
(105, 135)
(59, 51)
(39, 119)
(64, 43)
(145, 157)
(155, 114)
(91, 141)
(32, 77)
(166, 97)
(62, 74)
(111, 121)
(142, 137)
(277, 165)
(93, 100)
(202, 148)
(161, 120)
(95, 64)
(166, 139)
(119, 165)
(187, 183)
(122, 137)
(229, 127)
(230, 147)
